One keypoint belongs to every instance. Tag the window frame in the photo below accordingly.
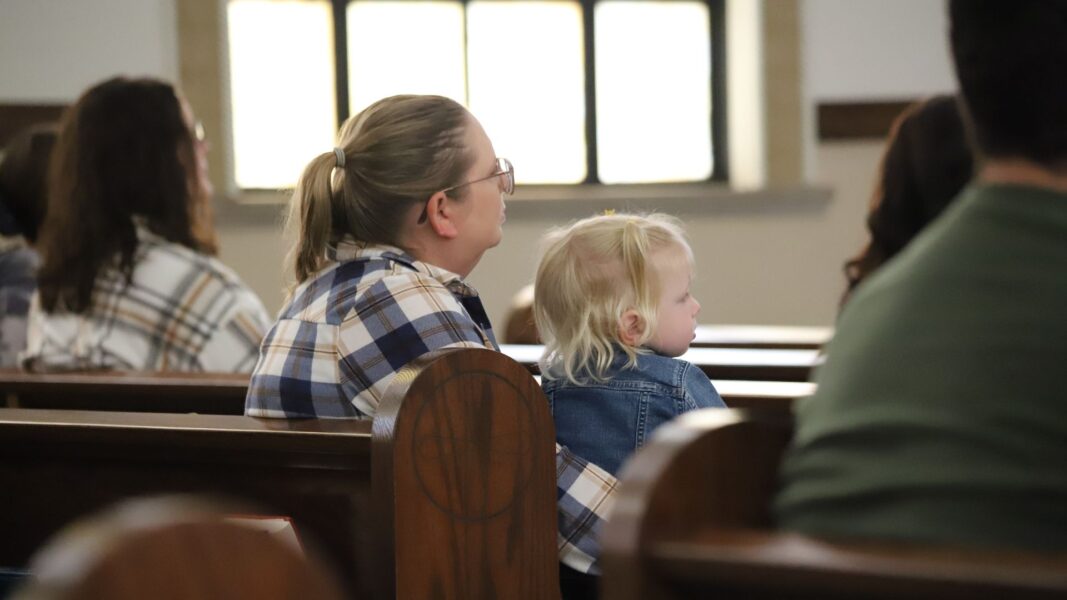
(717, 83)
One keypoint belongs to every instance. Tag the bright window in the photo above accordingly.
(594, 91)
(653, 96)
(281, 88)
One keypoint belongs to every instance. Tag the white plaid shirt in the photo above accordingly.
(182, 311)
(347, 331)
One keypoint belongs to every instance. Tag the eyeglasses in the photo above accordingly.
(504, 169)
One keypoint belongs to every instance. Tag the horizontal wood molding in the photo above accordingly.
(16, 117)
(858, 120)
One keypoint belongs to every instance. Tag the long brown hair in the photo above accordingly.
(397, 153)
(125, 152)
(927, 162)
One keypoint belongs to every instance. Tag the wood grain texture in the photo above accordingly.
(58, 465)
(477, 450)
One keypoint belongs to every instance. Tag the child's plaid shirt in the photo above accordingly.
(347, 331)
(181, 311)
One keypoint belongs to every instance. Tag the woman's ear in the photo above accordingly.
(440, 216)
(631, 326)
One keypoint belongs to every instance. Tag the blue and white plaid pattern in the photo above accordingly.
(585, 494)
(347, 331)
(182, 311)
(18, 267)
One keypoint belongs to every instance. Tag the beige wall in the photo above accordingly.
(770, 257)
(764, 257)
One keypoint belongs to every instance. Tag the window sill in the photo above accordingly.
(570, 201)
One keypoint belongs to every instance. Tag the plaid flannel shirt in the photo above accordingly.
(181, 311)
(18, 266)
(347, 331)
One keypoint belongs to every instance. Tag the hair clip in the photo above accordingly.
(608, 212)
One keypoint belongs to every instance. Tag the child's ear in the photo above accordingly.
(440, 213)
(631, 326)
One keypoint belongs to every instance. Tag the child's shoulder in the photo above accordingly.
(669, 371)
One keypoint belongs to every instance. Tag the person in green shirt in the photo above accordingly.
(941, 411)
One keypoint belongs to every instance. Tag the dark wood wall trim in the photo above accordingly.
(858, 120)
(16, 117)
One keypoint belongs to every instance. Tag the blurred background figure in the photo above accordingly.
(172, 548)
(128, 279)
(23, 185)
(520, 327)
(927, 162)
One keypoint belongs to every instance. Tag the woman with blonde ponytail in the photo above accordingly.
(386, 228)
(612, 302)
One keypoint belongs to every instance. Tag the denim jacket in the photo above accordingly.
(606, 422)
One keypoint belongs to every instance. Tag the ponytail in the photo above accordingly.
(389, 158)
(310, 215)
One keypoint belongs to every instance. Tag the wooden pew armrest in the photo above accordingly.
(780, 561)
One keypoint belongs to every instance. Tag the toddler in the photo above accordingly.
(612, 302)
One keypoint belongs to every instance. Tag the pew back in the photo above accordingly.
(58, 465)
(450, 493)
(472, 439)
(205, 393)
(717, 363)
(692, 520)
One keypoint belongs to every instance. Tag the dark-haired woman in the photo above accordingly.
(128, 280)
(927, 162)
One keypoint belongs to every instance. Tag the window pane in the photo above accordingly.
(653, 91)
(527, 85)
(282, 88)
(404, 48)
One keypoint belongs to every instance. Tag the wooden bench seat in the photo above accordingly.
(693, 520)
(224, 394)
(448, 493)
(717, 363)
(205, 393)
(769, 337)
(770, 396)
(768, 564)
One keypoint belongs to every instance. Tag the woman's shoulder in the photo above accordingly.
(175, 270)
(177, 259)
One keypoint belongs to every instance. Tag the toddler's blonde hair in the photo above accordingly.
(590, 274)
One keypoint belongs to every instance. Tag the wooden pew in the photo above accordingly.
(449, 493)
(205, 393)
(692, 520)
(224, 394)
(768, 337)
(717, 363)
(765, 396)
